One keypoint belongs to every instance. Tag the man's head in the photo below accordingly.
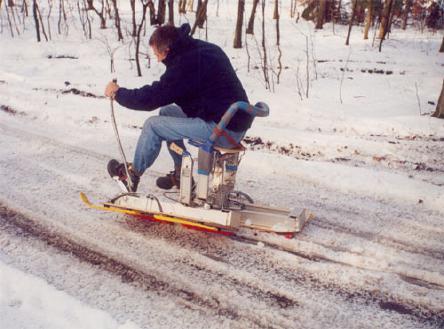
(162, 39)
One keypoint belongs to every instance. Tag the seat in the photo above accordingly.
(223, 150)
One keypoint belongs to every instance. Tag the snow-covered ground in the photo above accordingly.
(361, 152)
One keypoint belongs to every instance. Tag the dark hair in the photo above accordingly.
(163, 37)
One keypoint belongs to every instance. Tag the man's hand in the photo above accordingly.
(111, 89)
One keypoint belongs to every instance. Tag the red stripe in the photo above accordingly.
(202, 229)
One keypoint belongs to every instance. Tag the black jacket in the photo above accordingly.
(199, 78)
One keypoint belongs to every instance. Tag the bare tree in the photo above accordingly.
(36, 19)
(385, 21)
(117, 20)
(84, 20)
(111, 51)
(278, 39)
(237, 43)
(171, 12)
(439, 112)
(385, 17)
(190, 5)
(99, 13)
(368, 18)
(201, 16)
(13, 9)
(161, 9)
(250, 26)
(108, 9)
(9, 20)
(264, 49)
(62, 16)
(48, 17)
(133, 18)
(292, 8)
(405, 13)
(153, 18)
(321, 14)
(39, 14)
(182, 6)
(441, 49)
(25, 8)
(334, 11)
(352, 18)
(145, 5)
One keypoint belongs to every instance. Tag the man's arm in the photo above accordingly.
(173, 84)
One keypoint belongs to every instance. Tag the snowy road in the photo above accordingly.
(361, 262)
(358, 149)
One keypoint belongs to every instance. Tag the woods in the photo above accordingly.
(380, 15)
(253, 24)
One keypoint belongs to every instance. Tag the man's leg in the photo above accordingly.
(174, 110)
(166, 128)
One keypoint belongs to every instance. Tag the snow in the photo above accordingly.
(29, 302)
(369, 167)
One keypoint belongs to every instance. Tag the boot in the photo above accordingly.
(169, 180)
(117, 170)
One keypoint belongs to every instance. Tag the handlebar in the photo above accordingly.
(260, 109)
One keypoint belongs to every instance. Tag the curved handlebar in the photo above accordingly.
(260, 109)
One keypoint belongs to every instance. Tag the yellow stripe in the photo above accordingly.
(85, 200)
(183, 221)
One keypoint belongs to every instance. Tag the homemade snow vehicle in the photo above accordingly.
(210, 202)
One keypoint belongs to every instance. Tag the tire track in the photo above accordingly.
(273, 299)
(319, 222)
(16, 223)
(266, 265)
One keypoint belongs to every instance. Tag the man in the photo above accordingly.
(198, 86)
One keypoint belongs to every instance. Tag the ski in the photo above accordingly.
(154, 217)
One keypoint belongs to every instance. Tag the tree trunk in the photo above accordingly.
(439, 112)
(24, 8)
(201, 16)
(133, 17)
(405, 13)
(276, 9)
(368, 19)
(161, 8)
(171, 12)
(117, 20)
(237, 43)
(385, 19)
(182, 6)
(99, 13)
(352, 18)
(441, 49)
(39, 15)
(150, 5)
(385, 22)
(264, 48)
(278, 40)
(139, 30)
(36, 19)
(321, 14)
(250, 27)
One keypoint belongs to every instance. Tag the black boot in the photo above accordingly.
(169, 180)
(117, 170)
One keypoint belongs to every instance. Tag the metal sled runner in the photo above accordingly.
(211, 204)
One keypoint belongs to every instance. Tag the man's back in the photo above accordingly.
(199, 78)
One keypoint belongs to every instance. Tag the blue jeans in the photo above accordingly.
(172, 125)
